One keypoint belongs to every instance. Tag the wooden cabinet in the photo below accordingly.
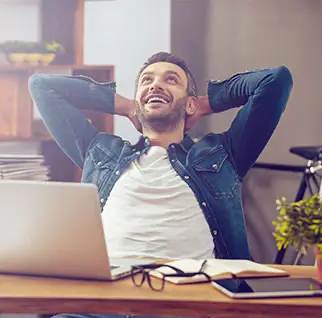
(15, 105)
(16, 109)
(61, 21)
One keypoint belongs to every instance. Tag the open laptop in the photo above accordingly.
(55, 229)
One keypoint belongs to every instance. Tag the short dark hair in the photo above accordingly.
(174, 59)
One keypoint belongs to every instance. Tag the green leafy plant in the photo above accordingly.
(9, 47)
(299, 224)
(14, 47)
(54, 47)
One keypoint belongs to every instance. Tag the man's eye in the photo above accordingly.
(146, 79)
(172, 79)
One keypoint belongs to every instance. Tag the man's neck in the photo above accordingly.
(164, 139)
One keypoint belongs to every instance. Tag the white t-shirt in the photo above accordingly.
(152, 212)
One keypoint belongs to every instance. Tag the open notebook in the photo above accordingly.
(216, 269)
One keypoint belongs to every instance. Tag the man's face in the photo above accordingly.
(161, 94)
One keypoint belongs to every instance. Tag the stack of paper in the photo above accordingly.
(23, 167)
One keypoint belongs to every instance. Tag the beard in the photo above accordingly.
(163, 122)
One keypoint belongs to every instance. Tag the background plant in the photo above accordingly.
(299, 224)
(31, 47)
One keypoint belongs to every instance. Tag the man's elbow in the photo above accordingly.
(283, 77)
(37, 82)
(280, 86)
(282, 82)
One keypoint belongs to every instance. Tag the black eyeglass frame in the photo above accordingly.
(145, 269)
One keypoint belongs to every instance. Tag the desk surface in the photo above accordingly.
(21, 294)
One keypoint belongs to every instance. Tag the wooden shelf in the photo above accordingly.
(16, 108)
(61, 21)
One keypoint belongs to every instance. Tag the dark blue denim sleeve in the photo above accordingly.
(60, 100)
(264, 94)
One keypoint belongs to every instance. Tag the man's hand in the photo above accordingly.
(132, 117)
(126, 107)
(202, 110)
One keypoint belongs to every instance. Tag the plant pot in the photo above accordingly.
(33, 59)
(46, 58)
(318, 261)
(17, 58)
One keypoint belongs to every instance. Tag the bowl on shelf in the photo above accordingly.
(31, 59)
(46, 58)
(16, 58)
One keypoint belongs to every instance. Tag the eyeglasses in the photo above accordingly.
(141, 273)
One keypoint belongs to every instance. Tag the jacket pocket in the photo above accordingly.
(217, 173)
(103, 164)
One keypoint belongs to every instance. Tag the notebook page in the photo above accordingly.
(191, 266)
(237, 266)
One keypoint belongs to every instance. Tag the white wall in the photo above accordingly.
(257, 33)
(125, 33)
(19, 20)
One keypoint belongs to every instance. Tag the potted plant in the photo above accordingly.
(48, 52)
(31, 53)
(299, 224)
(15, 51)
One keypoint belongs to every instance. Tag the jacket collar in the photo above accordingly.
(185, 144)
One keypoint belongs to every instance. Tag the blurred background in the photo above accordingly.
(111, 39)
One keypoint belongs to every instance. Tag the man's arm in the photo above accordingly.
(60, 100)
(264, 94)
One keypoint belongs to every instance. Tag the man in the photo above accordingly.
(167, 196)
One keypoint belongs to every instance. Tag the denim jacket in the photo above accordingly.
(213, 167)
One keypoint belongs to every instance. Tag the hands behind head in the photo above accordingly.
(202, 109)
(132, 117)
(126, 107)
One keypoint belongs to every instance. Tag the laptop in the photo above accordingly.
(55, 229)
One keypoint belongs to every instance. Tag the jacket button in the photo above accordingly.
(102, 200)
(186, 177)
(99, 163)
(117, 172)
(215, 166)
(214, 232)
(204, 204)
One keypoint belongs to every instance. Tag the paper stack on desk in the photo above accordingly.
(23, 167)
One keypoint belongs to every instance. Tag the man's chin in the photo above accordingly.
(156, 113)
(156, 107)
(156, 118)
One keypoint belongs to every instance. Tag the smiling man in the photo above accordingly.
(167, 196)
(163, 100)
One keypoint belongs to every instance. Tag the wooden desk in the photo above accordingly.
(45, 296)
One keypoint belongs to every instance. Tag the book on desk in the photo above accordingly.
(216, 269)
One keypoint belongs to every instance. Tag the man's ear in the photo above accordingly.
(192, 105)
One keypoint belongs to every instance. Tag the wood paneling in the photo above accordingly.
(62, 21)
(15, 105)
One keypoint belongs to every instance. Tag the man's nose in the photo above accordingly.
(156, 86)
